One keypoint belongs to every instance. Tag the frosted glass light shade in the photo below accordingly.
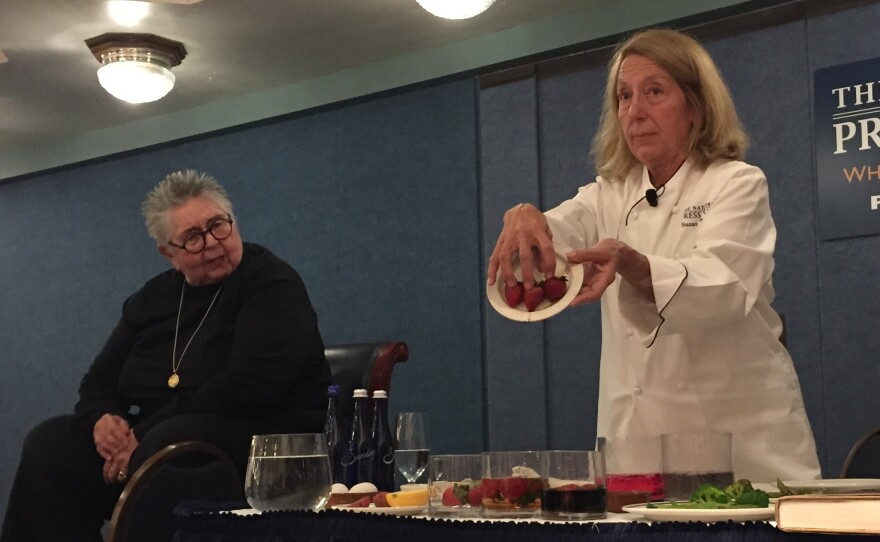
(456, 9)
(128, 12)
(136, 81)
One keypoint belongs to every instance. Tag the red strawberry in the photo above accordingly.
(449, 498)
(380, 499)
(475, 495)
(533, 297)
(490, 488)
(513, 488)
(513, 294)
(555, 288)
(363, 502)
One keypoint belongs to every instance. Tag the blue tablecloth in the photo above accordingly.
(199, 522)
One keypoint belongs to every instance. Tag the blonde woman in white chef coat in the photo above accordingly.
(677, 241)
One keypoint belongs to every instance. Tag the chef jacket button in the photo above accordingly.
(629, 331)
(680, 386)
(634, 215)
(675, 208)
(637, 391)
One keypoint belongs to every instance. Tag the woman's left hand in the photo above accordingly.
(116, 468)
(603, 261)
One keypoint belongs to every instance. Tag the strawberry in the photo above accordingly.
(363, 502)
(513, 488)
(533, 297)
(449, 497)
(490, 488)
(379, 499)
(513, 294)
(475, 495)
(555, 288)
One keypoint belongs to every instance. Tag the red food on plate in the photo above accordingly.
(380, 500)
(363, 502)
(555, 288)
(533, 297)
(513, 295)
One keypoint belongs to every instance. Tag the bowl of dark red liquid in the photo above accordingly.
(573, 485)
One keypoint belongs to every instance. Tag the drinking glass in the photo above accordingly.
(691, 460)
(288, 472)
(573, 485)
(411, 451)
(511, 484)
(634, 463)
(454, 485)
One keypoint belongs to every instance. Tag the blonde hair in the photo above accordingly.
(718, 132)
(174, 190)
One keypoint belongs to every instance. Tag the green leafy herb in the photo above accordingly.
(739, 494)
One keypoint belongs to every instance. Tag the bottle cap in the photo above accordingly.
(333, 389)
(380, 394)
(360, 393)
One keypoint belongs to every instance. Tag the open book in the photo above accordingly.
(841, 513)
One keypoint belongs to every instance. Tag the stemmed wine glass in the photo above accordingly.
(411, 450)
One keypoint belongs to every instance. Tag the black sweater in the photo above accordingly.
(258, 354)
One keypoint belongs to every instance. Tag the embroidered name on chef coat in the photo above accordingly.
(693, 215)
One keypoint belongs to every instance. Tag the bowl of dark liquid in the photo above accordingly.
(574, 503)
(573, 486)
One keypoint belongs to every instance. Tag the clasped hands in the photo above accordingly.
(527, 234)
(115, 442)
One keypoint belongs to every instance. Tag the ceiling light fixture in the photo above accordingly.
(456, 9)
(136, 68)
(127, 12)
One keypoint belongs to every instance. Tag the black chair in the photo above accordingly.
(184, 471)
(363, 365)
(863, 460)
(189, 471)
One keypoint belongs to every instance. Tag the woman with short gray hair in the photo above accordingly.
(223, 346)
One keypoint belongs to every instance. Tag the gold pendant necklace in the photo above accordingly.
(174, 379)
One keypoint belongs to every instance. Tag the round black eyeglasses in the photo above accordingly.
(194, 242)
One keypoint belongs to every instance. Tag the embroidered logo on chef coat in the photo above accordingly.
(693, 215)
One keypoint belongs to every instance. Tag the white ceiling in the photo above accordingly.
(49, 90)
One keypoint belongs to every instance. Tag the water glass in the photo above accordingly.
(411, 445)
(691, 460)
(288, 472)
(454, 485)
(511, 484)
(634, 463)
(573, 485)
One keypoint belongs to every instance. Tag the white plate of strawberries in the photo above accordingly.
(546, 298)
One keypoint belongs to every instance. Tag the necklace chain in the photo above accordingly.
(174, 379)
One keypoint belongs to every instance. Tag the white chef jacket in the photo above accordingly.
(705, 355)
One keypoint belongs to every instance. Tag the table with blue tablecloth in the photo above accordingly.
(202, 522)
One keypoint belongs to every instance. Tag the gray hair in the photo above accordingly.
(174, 190)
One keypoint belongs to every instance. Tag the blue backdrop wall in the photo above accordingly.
(388, 208)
